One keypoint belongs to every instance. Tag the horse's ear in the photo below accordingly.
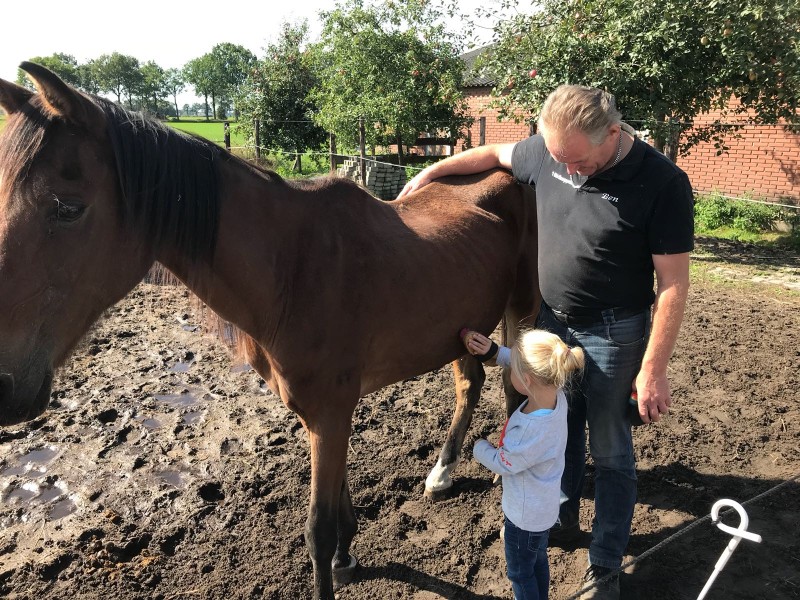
(60, 99)
(13, 96)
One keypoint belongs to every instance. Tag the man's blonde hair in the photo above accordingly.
(543, 356)
(572, 108)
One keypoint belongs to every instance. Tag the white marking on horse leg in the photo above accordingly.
(439, 478)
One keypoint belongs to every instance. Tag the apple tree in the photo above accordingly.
(392, 64)
(666, 61)
(277, 94)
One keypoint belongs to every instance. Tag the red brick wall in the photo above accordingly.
(763, 162)
(496, 131)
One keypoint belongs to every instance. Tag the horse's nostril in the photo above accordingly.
(6, 387)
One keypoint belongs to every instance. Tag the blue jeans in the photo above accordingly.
(613, 351)
(526, 562)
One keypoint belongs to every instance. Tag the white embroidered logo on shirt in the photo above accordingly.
(610, 198)
(565, 180)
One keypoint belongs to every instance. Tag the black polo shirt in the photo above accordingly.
(597, 234)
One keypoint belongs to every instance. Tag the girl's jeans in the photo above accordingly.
(526, 562)
(613, 351)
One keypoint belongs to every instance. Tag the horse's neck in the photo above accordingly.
(239, 283)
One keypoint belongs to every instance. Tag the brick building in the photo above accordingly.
(763, 161)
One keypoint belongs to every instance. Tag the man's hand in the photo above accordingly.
(420, 180)
(653, 396)
(475, 160)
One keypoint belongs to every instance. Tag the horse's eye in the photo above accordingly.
(67, 211)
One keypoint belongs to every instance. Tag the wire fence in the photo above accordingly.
(697, 192)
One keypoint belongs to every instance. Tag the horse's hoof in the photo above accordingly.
(438, 495)
(344, 575)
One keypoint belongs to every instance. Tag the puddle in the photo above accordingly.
(181, 367)
(149, 423)
(31, 494)
(182, 400)
(35, 460)
(175, 479)
(192, 418)
(26, 493)
(62, 509)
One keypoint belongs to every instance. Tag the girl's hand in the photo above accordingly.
(476, 343)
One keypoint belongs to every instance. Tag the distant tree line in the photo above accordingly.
(389, 65)
(216, 76)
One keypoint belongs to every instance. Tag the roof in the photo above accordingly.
(476, 77)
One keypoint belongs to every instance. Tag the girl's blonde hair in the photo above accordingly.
(545, 357)
(572, 108)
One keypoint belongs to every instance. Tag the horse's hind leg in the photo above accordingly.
(344, 563)
(469, 377)
(511, 329)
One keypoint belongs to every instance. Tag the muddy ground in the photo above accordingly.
(164, 471)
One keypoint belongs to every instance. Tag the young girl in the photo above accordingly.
(530, 453)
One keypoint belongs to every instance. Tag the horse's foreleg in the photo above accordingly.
(328, 458)
(344, 563)
(469, 377)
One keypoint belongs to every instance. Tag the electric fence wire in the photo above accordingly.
(372, 160)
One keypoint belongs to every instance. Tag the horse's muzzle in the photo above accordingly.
(13, 408)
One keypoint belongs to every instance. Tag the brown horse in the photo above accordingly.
(337, 293)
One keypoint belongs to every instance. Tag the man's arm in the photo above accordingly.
(472, 161)
(672, 287)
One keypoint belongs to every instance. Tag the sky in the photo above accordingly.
(150, 29)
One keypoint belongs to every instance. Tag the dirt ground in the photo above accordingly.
(164, 471)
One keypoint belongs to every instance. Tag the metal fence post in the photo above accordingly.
(333, 153)
(363, 150)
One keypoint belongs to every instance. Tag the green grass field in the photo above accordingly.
(211, 130)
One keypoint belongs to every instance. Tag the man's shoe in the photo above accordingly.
(565, 532)
(607, 590)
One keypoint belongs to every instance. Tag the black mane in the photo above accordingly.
(168, 181)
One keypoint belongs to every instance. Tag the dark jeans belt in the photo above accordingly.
(595, 318)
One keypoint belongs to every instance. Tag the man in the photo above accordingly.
(612, 212)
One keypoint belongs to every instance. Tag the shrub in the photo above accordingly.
(714, 212)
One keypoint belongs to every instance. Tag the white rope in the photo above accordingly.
(766, 202)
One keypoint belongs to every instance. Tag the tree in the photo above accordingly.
(174, 84)
(666, 61)
(87, 73)
(198, 73)
(118, 74)
(230, 65)
(392, 64)
(277, 94)
(63, 65)
(153, 85)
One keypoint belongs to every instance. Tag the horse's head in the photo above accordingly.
(65, 252)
